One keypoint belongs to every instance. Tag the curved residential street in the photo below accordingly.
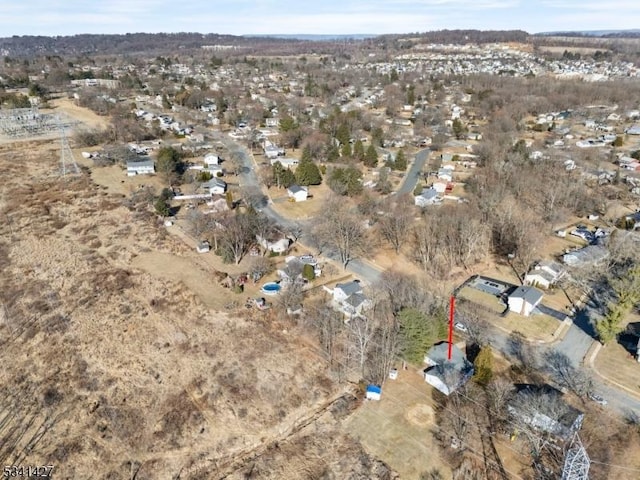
(575, 343)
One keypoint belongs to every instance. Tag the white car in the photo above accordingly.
(461, 327)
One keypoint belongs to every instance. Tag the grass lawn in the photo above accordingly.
(535, 327)
(398, 428)
(300, 210)
(618, 365)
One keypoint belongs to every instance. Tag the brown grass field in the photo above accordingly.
(115, 355)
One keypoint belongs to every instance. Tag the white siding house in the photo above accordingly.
(141, 167)
(524, 300)
(298, 193)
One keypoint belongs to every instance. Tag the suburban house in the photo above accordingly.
(524, 300)
(285, 162)
(140, 167)
(215, 186)
(543, 408)
(428, 196)
(349, 298)
(292, 271)
(589, 255)
(544, 274)
(272, 151)
(298, 193)
(445, 174)
(281, 245)
(443, 374)
(211, 159)
(441, 187)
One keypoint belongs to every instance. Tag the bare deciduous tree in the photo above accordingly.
(341, 230)
(394, 224)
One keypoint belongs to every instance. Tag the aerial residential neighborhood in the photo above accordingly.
(381, 256)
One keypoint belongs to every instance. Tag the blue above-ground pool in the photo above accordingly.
(271, 288)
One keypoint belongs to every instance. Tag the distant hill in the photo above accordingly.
(315, 38)
(635, 33)
(150, 43)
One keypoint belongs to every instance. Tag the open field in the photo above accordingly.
(398, 428)
(88, 118)
(114, 356)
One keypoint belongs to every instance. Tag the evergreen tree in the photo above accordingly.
(358, 151)
(308, 272)
(288, 178)
(346, 150)
(345, 181)
(343, 134)
(377, 136)
(418, 332)
(411, 95)
(306, 154)
(333, 153)
(400, 162)
(308, 173)
(483, 366)
(371, 157)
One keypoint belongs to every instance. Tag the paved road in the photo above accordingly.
(575, 343)
(249, 177)
(413, 175)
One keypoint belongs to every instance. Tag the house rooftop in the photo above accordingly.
(528, 294)
(350, 288)
(438, 354)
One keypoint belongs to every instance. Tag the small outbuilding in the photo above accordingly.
(298, 193)
(374, 392)
(203, 247)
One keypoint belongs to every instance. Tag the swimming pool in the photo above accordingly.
(271, 288)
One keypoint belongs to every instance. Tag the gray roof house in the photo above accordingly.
(215, 186)
(140, 167)
(524, 300)
(349, 298)
(545, 274)
(589, 255)
(443, 374)
(428, 196)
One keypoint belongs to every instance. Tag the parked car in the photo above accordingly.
(596, 398)
(461, 327)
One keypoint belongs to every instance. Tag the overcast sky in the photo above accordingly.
(237, 17)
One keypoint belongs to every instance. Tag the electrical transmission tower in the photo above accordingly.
(67, 160)
(576, 462)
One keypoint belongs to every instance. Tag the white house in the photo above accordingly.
(215, 186)
(440, 187)
(446, 174)
(443, 374)
(544, 274)
(298, 193)
(140, 167)
(428, 196)
(278, 246)
(285, 162)
(211, 159)
(524, 300)
(349, 298)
